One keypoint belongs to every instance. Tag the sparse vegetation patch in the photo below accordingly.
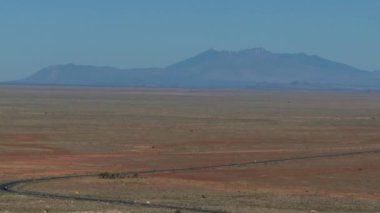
(111, 175)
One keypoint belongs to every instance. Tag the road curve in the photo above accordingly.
(9, 187)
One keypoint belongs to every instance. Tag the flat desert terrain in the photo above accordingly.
(57, 131)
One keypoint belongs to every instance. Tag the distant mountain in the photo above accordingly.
(261, 66)
(71, 74)
(249, 68)
(377, 73)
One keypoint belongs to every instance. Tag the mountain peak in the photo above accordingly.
(256, 51)
(253, 51)
(210, 51)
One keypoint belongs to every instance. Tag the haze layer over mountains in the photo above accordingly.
(251, 68)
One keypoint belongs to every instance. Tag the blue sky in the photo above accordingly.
(156, 33)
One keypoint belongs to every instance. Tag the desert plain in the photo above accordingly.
(56, 131)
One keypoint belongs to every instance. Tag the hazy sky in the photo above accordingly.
(146, 33)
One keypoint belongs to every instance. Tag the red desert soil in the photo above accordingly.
(58, 131)
(26, 156)
(23, 137)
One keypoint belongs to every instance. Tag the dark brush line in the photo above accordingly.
(9, 187)
(256, 162)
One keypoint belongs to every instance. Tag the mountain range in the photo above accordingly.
(251, 68)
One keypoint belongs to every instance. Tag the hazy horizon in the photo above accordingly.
(130, 34)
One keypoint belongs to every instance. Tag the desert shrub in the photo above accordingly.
(108, 175)
(104, 175)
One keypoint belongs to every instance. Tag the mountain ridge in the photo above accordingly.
(249, 68)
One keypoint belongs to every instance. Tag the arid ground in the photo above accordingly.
(53, 131)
